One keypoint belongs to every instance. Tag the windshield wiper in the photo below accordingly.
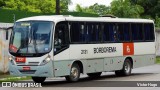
(18, 50)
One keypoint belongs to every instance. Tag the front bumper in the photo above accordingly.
(38, 71)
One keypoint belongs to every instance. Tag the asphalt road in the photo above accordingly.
(149, 76)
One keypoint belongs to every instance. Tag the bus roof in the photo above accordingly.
(57, 18)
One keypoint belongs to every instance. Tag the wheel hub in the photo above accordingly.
(127, 67)
(74, 72)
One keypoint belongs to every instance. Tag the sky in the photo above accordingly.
(85, 3)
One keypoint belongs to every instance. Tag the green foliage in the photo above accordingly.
(94, 9)
(7, 15)
(47, 6)
(79, 8)
(158, 60)
(2, 3)
(124, 8)
(157, 21)
(100, 9)
(151, 7)
(64, 5)
(13, 79)
(40, 6)
(44, 6)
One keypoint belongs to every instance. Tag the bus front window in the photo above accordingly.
(33, 37)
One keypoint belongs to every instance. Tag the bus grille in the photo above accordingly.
(33, 63)
(28, 71)
(29, 64)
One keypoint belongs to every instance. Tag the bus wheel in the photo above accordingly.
(93, 75)
(39, 79)
(74, 73)
(127, 68)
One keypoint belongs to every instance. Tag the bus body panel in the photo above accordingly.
(143, 60)
(62, 68)
(64, 55)
(113, 63)
(144, 48)
(94, 65)
(90, 51)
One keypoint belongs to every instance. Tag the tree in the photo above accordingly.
(47, 6)
(64, 5)
(151, 7)
(124, 8)
(44, 6)
(157, 21)
(79, 8)
(94, 9)
(100, 9)
(57, 6)
(2, 3)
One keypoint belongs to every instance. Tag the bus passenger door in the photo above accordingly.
(61, 49)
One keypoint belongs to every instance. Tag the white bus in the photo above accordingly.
(65, 46)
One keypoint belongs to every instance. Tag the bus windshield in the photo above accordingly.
(31, 38)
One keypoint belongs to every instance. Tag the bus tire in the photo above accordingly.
(39, 79)
(94, 75)
(127, 68)
(74, 73)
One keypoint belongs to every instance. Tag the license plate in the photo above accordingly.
(26, 68)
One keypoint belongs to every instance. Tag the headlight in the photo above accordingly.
(46, 60)
(12, 58)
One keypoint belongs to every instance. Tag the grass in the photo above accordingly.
(9, 78)
(158, 60)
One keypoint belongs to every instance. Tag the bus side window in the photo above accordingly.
(137, 32)
(90, 32)
(82, 33)
(133, 30)
(149, 31)
(74, 32)
(106, 36)
(127, 32)
(120, 32)
(78, 33)
(140, 31)
(61, 37)
(109, 32)
(93, 32)
(114, 33)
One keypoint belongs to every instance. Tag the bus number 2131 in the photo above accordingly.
(84, 51)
